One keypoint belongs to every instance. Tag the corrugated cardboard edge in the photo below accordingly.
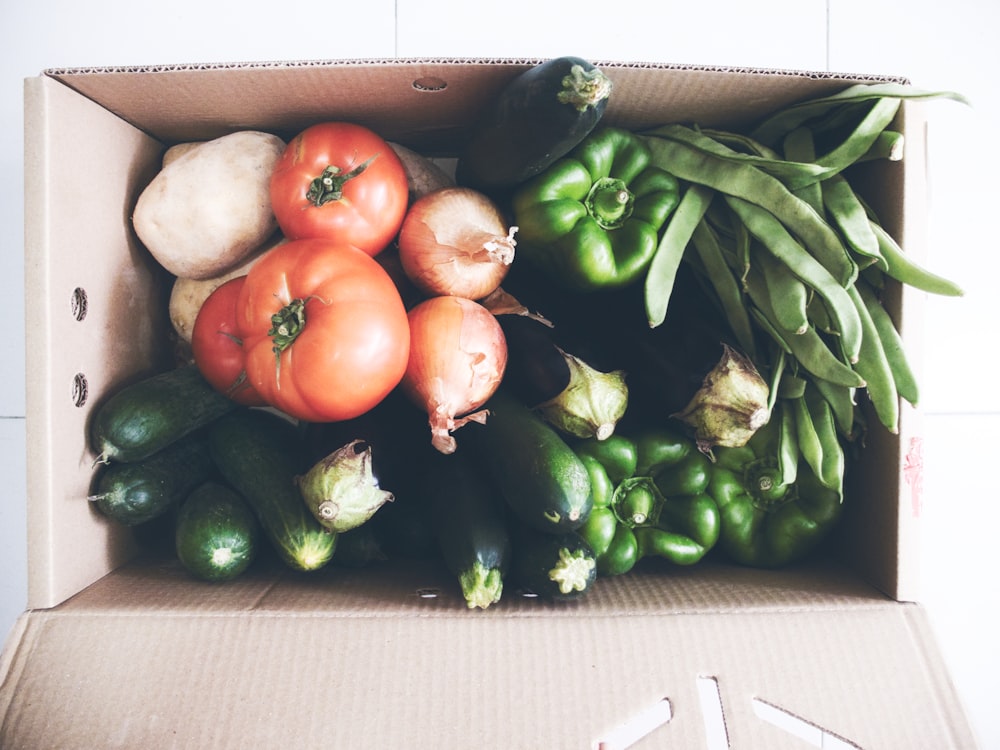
(516, 61)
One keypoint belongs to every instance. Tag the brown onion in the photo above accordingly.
(454, 241)
(458, 355)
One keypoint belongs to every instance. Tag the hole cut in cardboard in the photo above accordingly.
(430, 83)
(636, 728)
(798, 727)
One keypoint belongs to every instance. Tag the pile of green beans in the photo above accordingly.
(773, 226)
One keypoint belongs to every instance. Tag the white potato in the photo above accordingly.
(188, 295)
(178, 150)
(209, 208)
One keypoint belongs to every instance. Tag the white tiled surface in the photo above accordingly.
(937, 45)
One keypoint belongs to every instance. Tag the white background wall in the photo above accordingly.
(936, 45)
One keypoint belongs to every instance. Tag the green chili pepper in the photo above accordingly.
(768, 519)
(592, 219)
(651, 498)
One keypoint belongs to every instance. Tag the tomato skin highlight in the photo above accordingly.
(217, 348)
(348, 349)
(366, 210)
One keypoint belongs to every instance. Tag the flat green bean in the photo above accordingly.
(777, 377)
(727, 289)
(906, 271)
(773, 128)
(799, 146)
(873, 366)
(757, 187)
(789, 295)
(831, 465)
(858, 141)
(738, 141)
(849, 215)
(810, 446)
(792, 173)
(888, 145)
(842, 404)
(892, 345)
(819, 316)
(807, 348)
(662, 271)
(776, 239)
(792, 386)
(788, 446)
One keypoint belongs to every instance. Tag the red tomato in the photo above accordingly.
(218, 351)
(343, 182)
(338, 323)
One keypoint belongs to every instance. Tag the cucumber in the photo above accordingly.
(554, 566)
(259, 454)
(469, 525)
(146, 416)
(538, 475)
(537, 118)
(140, 491)
(216, 533)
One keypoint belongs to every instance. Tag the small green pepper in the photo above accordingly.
(592, 219)
(767, 521)
(651, 498)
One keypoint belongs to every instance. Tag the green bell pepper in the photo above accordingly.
(771, 514)
(592, 219)
(651, 497)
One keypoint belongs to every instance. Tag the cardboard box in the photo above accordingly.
(118, 649)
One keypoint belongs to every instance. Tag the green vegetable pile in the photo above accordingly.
(692, 337)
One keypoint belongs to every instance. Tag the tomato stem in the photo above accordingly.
(286, 325)
(329, 186)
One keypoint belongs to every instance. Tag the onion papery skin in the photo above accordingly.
(458, 355)
(455, 242)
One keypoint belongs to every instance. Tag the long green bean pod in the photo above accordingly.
(779, 241)
(670, 251)
(753, 185)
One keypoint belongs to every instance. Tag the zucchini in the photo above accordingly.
(538, 475)
(537, 118)
(260, 454)
(146, 416)
(554, 566)
(137, 492)
(469, 525)
(216, 533)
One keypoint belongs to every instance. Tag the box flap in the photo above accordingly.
(293, 664)
(91, 296)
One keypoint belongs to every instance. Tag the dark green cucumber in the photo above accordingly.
(553, 566)
(259, 454)
(470, 526)
(146, 416)
(137, 492)
(216, 533)
(537, 118)
(538, 475)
